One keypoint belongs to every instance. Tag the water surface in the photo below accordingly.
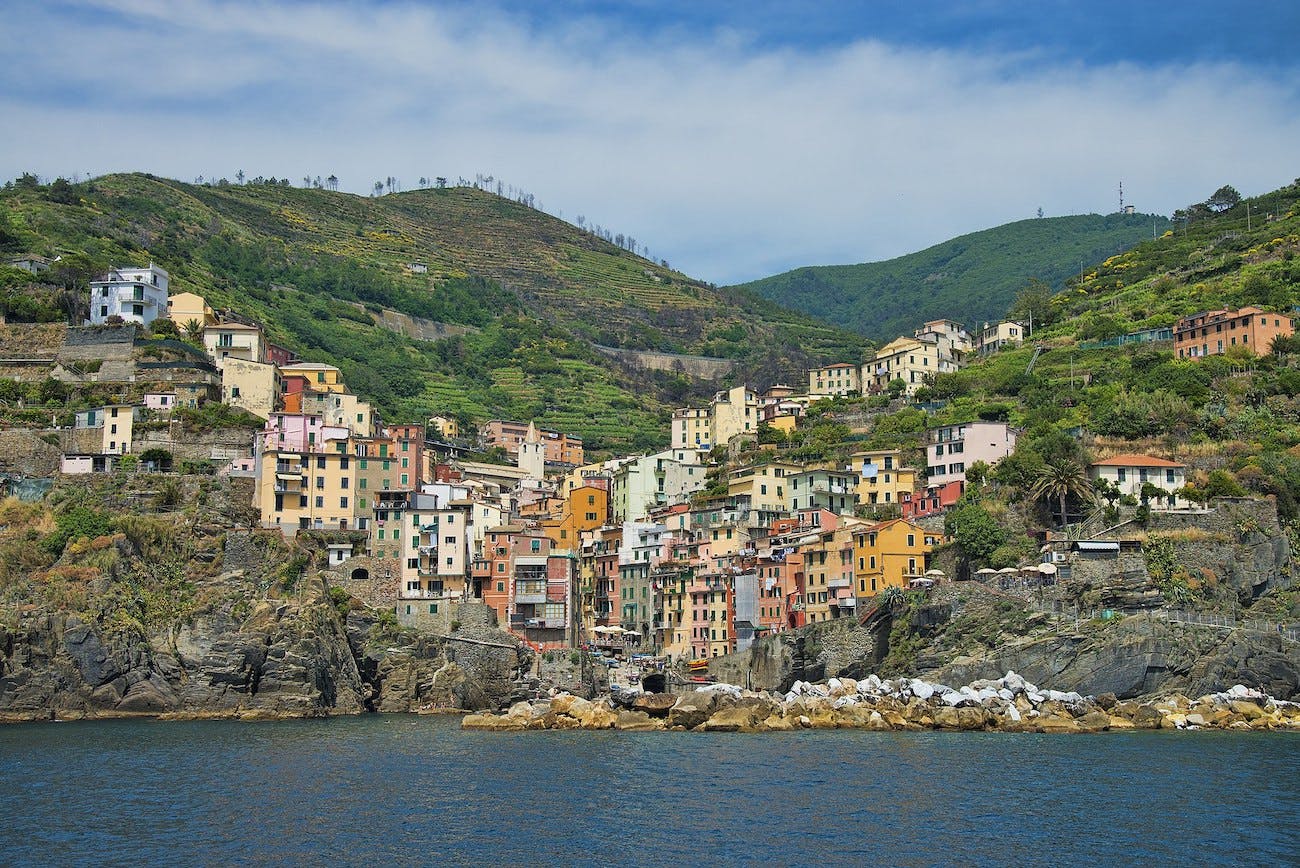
(397, 789)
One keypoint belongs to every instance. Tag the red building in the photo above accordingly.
(931, 500)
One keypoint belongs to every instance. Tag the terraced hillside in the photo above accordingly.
(320, 268)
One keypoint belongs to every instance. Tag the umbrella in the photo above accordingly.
(615, 630)
(631, 633)
(1031, 568)
(986, 571)
(934, 572)
(1047, 569)
(1006, 571)
(600, 629)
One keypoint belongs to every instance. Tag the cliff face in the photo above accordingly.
(287, 659)
(180, 613)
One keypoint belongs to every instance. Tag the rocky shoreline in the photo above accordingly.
(1007, 704)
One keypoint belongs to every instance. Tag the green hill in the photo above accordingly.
(972, 278)
(529, 295)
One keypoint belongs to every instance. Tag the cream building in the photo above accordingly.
(838, 379)
(254, 386)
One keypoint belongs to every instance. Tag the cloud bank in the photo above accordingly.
(731, 160)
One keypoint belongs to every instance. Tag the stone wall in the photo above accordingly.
(22, 451)
(701, 367)
(469, 614)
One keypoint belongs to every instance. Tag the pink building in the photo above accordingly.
(299, 432)
(952, 448)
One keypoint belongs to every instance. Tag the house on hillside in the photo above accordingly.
(1129, 473)
(842, 378)
(137, 295)
(995, 336)
(1214, 332)
(951, 449)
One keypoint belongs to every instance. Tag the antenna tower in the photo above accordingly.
(1121, 197)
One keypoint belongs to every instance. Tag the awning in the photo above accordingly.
(288, 477)
(1096, 546)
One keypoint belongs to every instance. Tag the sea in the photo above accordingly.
(416, 790)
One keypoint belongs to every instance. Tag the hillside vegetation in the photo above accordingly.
(972, 278)
(527, 295)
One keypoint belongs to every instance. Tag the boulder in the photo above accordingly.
(637, 721)
(692, 709)
(654, 704)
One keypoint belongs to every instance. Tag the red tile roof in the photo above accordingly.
(1131, 460)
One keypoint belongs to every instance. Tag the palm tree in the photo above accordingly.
(194, 330)
(1060, 480)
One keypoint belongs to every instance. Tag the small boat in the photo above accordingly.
(698, 663)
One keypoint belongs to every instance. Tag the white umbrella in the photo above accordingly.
(600, 629)
(934, 572)
(1047, 569)
(986, 571)
(1008, 570)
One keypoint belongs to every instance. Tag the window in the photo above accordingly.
(911, 540)
(343, 503)
(433, 608)
(320, 503)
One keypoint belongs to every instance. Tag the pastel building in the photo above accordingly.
(950, 449)
(137, 295)
(234, 340)
(1214, 332)
(1130, 472)
(837, 379)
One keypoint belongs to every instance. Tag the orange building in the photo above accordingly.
(1214, 332)
(586, 508)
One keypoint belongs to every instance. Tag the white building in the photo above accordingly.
(137, 295)
(1130, 472)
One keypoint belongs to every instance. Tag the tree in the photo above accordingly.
(975, 530)
(333, 181)
(1223, 198)
(1060, 480)
(1033, 304)
(379, 187)
(440, 183)
(239, 176)
(193, 330)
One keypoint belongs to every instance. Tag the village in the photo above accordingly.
(684, 555)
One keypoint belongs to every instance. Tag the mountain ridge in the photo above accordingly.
(974, 277)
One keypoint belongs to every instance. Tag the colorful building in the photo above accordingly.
(1214, 332)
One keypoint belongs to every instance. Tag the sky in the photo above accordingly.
(735, 139)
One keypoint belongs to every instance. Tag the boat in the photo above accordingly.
(699, 663)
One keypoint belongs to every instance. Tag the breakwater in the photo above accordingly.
(1007, 704)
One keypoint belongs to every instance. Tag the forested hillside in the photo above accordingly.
(971, 278)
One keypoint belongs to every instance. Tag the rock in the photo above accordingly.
(965, 718)
(1055, 723)
(1093, 721)
(1248, 709)
(493, 722)
(921, 689)
(637, 721)
(654, 704)
(1107, 701)
(691, 709)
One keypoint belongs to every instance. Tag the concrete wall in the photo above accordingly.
(700, 367)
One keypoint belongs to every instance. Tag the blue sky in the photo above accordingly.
(736, 139)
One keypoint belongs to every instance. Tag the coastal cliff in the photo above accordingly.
(185, 614)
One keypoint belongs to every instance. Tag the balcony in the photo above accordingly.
(841, 582)
(530, 592)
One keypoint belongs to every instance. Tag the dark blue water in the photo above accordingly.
(412, 790)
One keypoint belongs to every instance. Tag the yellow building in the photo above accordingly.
(320, 377)
(881, 477)
(842, 378)
(762, 487)
(309, 485)
(889, 555)
(186, 307)
(254, 386)
(907, 359)
(445, 425)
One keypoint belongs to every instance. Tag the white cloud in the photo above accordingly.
(729, 161)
